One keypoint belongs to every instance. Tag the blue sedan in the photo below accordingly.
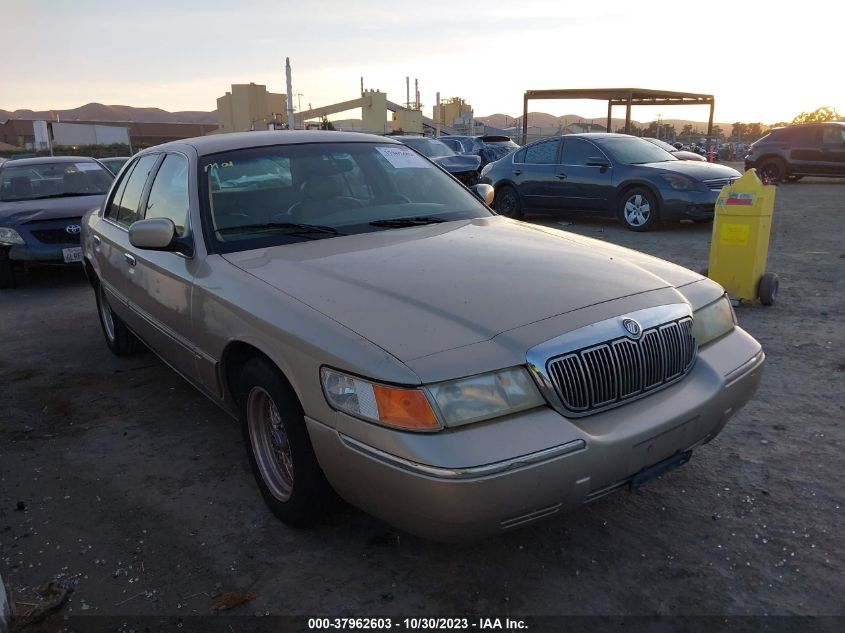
(637, 182)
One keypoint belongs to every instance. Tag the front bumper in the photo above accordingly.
(689, 205)
(440, 486)
(47, 253)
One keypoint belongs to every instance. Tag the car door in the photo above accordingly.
(579, 184)
(161, 282)
(833, 149)
(533, 173)
(805, 150)
(111, 241)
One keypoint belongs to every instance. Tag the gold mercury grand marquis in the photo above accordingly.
(381, 334)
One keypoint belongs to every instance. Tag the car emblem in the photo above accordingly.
(73, 229)
(632, 327)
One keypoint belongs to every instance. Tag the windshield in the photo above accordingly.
(634, 151)
(114, 164)
(53, 180)
(428, 147)
(284, 194)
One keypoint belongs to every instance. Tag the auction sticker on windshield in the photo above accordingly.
(402, 157)
(87, 166)
(73, 254)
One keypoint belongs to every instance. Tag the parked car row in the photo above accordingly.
(382, 335)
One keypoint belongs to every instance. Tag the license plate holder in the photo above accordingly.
(72, 254)
(654, 471)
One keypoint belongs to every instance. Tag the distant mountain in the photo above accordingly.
(100, 112)
(545, 120)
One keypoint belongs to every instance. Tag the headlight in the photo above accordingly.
(10, 236)
(456, 402)
(714, 320)
(392, 406)
(486, 169)
(485, 396)
(681, 183)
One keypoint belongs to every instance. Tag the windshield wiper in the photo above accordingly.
(67, 194)
(419, 220)
(298, 229)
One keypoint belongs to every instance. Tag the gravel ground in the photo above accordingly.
(120, 481)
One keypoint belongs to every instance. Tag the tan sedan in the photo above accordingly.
(381, 334)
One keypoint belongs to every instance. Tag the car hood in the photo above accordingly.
(697, 170)
(458, 163)
(12, 213)
(423, 290)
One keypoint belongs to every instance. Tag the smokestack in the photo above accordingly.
(417, 93)
(407, 91)
(439, 115)
(362, 86)
(291, 121)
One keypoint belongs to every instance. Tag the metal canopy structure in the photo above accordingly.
(621, 97)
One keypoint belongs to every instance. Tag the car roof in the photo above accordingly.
(42, 160)
(214, 143)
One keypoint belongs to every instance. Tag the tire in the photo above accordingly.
(280, 453)
(7, 272)
(772, 170)
(767, 290)
(507, 203)
(120, 340)
(638, 210)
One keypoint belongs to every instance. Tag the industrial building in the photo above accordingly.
(250, 107)
(21, 132)
(453, 112)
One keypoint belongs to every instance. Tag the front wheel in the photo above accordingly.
(7, 271)
(507, 203)
(283, 462)
(120, 340)
(773, 170)
(638, 210)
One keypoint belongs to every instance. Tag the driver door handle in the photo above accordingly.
(130, 259)
(516, 172)
(561, 176)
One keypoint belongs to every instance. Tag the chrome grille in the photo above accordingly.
(718, 183)
(608, 374)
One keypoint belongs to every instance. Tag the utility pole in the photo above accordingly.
(437, 121)
(291, 120)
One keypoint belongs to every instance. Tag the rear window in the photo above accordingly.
(53, 180)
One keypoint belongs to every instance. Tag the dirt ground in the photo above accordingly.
(120, 481)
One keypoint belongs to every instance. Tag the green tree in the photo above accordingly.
(718, 132)
(825, 113)
(325, 124)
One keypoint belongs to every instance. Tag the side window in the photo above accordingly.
(576, 151)
(114, 202)
(519, 157)
(833, 135)
(169, 195)
(127, 212)
(542, 153)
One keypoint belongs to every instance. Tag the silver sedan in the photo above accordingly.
(382, 335)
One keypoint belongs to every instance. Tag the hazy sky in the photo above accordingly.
(762, 63)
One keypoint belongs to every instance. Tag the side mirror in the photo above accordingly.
(158, 234)
(485, 192)
(598, 161)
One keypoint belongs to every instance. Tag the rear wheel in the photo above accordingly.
(772, 170)
(283, 462)
(638, 209)
(120, 340)
(507, 203)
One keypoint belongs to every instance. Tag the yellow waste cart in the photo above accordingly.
(740, 243)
